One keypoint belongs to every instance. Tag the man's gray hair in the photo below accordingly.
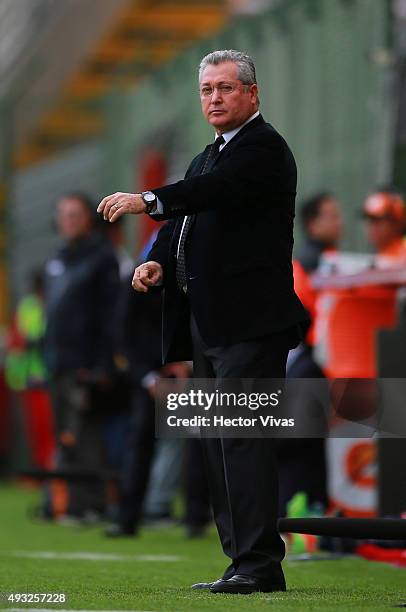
(246, 68)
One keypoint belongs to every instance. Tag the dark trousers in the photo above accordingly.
(78, 410)
(197, 502)
(242, 473)
(301, 461)
(137, 464)
(137, 461)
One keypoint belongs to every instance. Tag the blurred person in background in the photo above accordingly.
(24, 362)
(116, 235)
(26, 373)
(164, 483)
(301, 462)
(384, 213)
(138, 348)
(322, 226)
(118, 396)
(138, 341)
(81, 285)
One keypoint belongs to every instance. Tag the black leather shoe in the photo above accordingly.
(244, 585)
(205, 585)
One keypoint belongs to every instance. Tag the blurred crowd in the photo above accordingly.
(84, 357)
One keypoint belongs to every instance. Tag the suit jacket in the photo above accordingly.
(239, 249)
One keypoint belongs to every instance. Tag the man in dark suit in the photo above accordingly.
(224, 261)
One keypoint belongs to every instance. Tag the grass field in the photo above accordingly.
(154, 572)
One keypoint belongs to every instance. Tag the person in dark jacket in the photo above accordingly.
(224, 260)
(138, 342)
(81, 284)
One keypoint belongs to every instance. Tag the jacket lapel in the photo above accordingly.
(232, 143)
(199, 161)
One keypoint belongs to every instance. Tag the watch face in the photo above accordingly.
(149, 197)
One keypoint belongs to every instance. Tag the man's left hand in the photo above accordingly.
(114, 206)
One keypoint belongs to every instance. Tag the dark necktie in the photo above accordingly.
(180, 262)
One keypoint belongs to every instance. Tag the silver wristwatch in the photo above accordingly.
(150, 201)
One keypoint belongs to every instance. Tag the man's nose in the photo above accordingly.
(216, 96)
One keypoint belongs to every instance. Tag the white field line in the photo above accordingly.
(90, 556)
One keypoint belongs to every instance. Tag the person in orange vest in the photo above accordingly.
(322, 225)
(385, 214)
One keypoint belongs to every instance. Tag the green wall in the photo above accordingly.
(35, 191)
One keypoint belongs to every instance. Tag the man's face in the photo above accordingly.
(328, 224)
(231, 103)
(73, 219)
(382, 231)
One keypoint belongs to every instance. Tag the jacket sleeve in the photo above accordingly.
(160, 249)
(249, 173)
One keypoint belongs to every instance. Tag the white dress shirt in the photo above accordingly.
(229, 135)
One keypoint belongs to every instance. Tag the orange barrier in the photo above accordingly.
(347, 321)
(350, 310)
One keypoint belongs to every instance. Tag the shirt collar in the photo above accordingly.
(229, 135)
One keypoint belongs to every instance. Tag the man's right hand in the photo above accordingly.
(147, 275)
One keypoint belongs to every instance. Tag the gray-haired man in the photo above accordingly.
(224, 261)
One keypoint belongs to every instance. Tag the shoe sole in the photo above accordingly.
(196, 587)
(246, 590)
(240, 591)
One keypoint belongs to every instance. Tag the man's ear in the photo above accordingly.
(254, 91)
